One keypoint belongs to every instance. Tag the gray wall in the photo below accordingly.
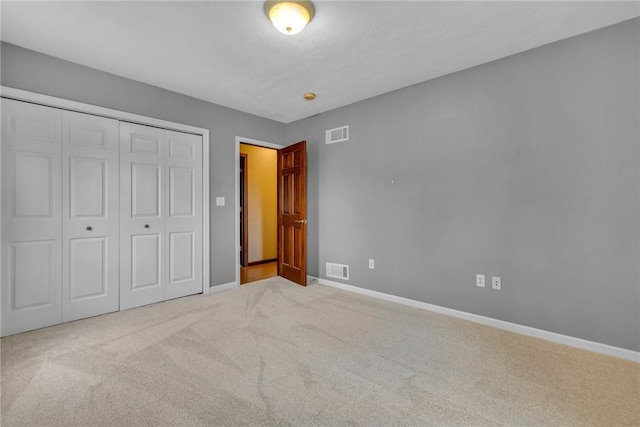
(32, 71)
(524, 168)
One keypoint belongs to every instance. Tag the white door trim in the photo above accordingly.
(80, 107)
(240, 140)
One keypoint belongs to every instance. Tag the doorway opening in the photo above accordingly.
(258, 198)
(291, 210)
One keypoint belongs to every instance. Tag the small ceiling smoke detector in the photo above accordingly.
(309, 96)
(289, 17)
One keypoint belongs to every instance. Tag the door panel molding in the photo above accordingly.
(146, 181)
(26, 193)
(85, 280)
(24, 292)
(180, 244)
(181, 203)
(146, 247)
(83, 172)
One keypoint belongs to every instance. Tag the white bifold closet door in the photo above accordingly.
(90, 212)
(31, 217)
(161, 214)
(97, 215)
(59, 216)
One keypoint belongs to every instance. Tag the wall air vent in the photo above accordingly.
(340, 134)
(339, 271)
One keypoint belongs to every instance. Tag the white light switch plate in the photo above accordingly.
(480, 280)
(219, 201)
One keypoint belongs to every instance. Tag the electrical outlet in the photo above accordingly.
(496, 283)
(480, 280)
(372, 264)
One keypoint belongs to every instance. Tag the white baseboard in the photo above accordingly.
(609, 350)
(223, 287)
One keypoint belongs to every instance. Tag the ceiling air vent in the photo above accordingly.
(340, 134)
(339, 271)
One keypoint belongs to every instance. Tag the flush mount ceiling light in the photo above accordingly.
(309, 96)
(289, 17)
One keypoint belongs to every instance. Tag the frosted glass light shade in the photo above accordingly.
(289, 17)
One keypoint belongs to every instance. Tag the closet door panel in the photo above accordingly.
(181, 191)
(184, 214)
(146, 261)
(32, 287)
(33, 182)
(145, 190)
(88, 190)
(31, 217)
(88, 267)
(142, 215)
(90, 215)
(182, 256)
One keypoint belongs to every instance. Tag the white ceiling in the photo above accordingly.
(228, 53)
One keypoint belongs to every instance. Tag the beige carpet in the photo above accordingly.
(273, 353)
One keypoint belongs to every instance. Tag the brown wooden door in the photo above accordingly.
(292, 213)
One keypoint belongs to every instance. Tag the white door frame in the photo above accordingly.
(240, 140)
(80, 107)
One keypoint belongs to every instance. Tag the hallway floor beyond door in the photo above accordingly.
(258, 272)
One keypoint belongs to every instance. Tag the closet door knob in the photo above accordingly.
(89, 228)
(147, 226)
